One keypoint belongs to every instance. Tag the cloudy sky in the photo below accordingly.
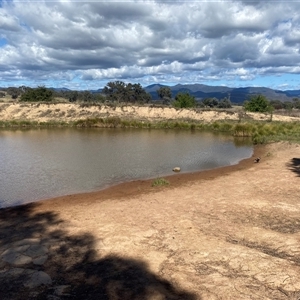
(85, 44)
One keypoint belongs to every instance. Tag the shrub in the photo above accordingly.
(258, 103)
(184, 100)
(160, 182)
(40, 94)
(241, 129)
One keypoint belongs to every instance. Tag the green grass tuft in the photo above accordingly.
(160, 182)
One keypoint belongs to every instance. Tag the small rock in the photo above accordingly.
(62, 290)
(14, 272)
(36, 250)
(38, 278)
(32, 241)
(176, 169)
(256, 160)
(13, 257)
(40, 260)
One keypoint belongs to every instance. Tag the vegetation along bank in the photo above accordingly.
(129, 106)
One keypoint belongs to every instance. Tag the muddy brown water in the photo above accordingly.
(42, 163)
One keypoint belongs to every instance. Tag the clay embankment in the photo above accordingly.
(68, 112)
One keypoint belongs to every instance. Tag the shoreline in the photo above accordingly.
(139, 186)
(144, 186)
(204, 235)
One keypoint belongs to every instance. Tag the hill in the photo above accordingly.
(236, 95)
(202, 91)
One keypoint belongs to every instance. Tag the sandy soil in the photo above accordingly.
(229, 233)
(71, 112)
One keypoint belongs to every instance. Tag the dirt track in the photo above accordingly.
(231, 233)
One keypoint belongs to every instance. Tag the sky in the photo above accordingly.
(83, 45)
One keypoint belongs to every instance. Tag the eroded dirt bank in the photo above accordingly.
(230, 233)
(71, 112)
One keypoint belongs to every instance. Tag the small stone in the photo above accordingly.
(32, 241)
(15, 258)
(37, 279)
(12, 272)
(40, 260)
(61, 290)
(21, 248)
(36, 250)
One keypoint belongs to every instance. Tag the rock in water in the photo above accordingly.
(176, 169)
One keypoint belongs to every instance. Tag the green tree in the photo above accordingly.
(71, 95)
(225, 103)
(87, 96)
(98, 97)
(115, 91)
(184, 100)
(14, 92)
(258, 103)
(119, 91)
(288, 105)
(276, 104)
(210, 102)
(39, 94)
(165, 94)
(296, 103)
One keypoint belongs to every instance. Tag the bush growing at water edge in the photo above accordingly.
(160, 182)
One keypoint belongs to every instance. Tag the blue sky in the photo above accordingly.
(3, 42)
(83, 45)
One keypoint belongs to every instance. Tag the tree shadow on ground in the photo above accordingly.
(294, 165)
(72, 263)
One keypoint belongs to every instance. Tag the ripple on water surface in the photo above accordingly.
(42, 163)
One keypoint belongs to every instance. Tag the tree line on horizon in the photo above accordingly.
(128, 93)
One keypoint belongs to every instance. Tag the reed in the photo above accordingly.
(259, 131)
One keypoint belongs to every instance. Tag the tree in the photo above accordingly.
(225, 103)
(97, 97)
(258, 103)
(40, 93)
(165, 94)
(296, 103)
(87, 96)
(288, 105)
(276, 104)
(210, 102)
(14, 92)
(119, 91)
(71, 96)
(184, 100)
(115, 91)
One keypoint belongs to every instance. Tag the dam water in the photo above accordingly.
(37, 164)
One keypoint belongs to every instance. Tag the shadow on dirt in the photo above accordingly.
(294, 165)
(76, 270)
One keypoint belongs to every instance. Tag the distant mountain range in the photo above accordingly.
(201, 91)
(236, 95)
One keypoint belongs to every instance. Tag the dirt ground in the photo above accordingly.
(228, 233)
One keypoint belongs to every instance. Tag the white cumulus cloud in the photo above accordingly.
(169, 41)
